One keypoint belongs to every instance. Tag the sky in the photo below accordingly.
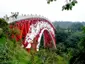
(52, 11)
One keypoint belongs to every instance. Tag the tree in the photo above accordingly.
(3, 25)
(73, 39)
(79, 58)
(61, 36)
(76, 27)
(68, 6)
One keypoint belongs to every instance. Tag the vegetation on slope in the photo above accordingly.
(70, 48)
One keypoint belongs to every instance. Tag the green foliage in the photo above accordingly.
(1, 32)
(3, 25)
(71, 44)
(61, 36)
(49, 56)
(60, 48)
(81, 44)
(15, 31)
(62, 60)
(79, 57)
(12, 53)
(67, 51)
(83, 28)
(76, 27)
(73, 40)
(67, 6)
(68, 25)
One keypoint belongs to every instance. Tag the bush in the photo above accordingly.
(3, 24)
(1, 32)
(12, 53)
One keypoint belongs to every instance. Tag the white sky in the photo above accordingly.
(40, 7)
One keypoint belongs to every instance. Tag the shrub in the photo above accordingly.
(11, 52)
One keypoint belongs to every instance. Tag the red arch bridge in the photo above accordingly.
(31, 29)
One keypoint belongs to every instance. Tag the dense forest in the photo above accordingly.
(66, 24)
(70, 46)
(70, 38)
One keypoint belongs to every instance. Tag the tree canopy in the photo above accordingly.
(68, 6)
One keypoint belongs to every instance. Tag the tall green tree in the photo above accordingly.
(76, 27)
(79, 58)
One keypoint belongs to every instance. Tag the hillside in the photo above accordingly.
(70, 48)
(65, 24)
